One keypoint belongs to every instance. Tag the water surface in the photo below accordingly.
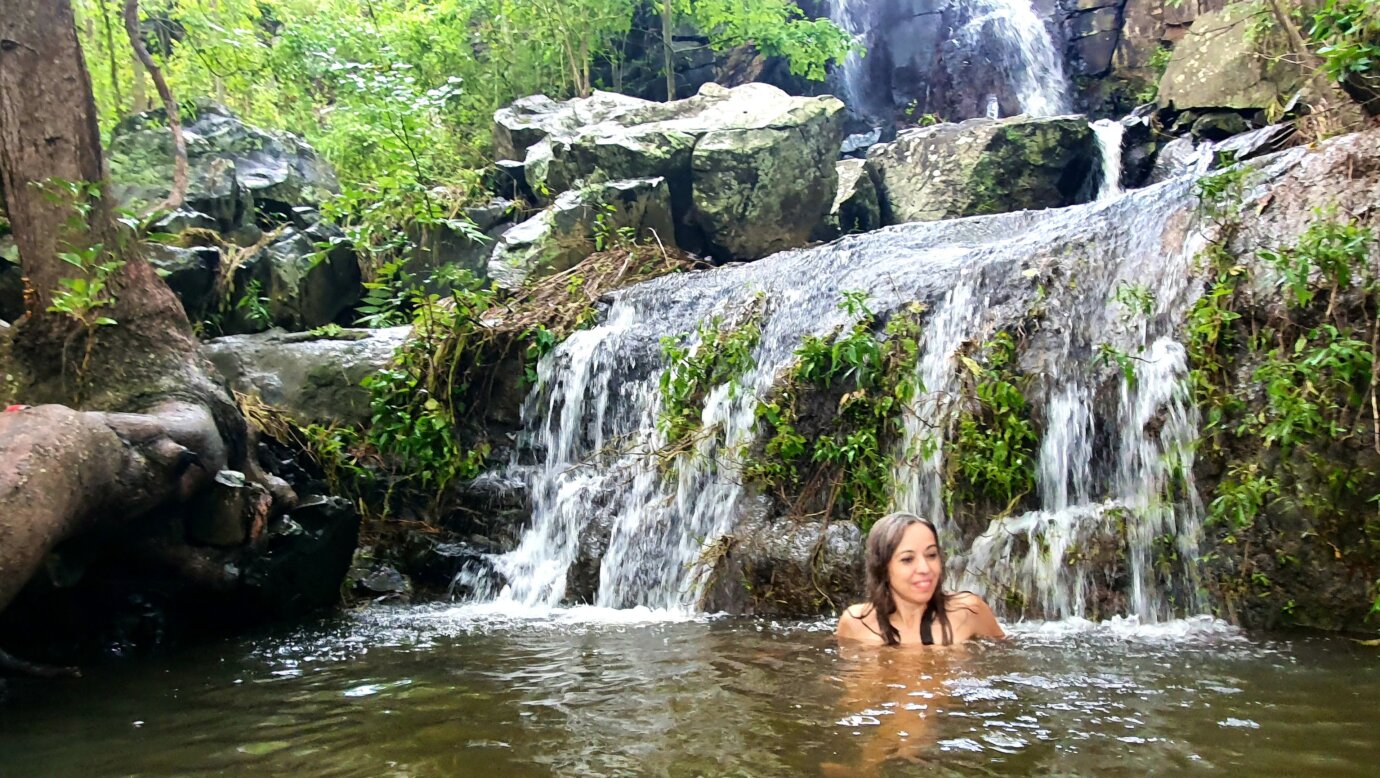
(441, 691)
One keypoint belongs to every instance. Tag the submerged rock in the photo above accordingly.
(314, 379)
(983, 166)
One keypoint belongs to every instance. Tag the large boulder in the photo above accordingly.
(234, 169)
(314, 379)
(531, 119)
(1222, 63)
(983, 166)
(750, 169)
(763, 179)
(572, 227)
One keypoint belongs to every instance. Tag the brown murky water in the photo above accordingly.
(461, 691)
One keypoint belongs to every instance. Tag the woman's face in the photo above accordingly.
(914, 569)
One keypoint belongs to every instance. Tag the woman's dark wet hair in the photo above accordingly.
(882, 541)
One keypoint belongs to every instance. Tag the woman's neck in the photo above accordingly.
(908, 614)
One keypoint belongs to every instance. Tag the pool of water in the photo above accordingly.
(435, 691)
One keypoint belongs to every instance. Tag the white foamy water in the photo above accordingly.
(1110, 135)
(1029, 60)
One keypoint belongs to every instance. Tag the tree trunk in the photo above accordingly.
(667, 59)
(157, 426)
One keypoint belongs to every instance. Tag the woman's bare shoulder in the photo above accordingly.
(858, 623)
(972, 613)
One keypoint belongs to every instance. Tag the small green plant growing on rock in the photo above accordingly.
(722, 354)
(993, 451)
(828, 431)
(1287, 385)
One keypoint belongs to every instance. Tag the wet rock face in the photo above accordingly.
(313, 379)
(749, 170)
(981, 167)
(772, 566)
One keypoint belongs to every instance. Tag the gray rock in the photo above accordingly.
(313, 379)
(192, 273)
(303, 559)
(768, 566)
(532, 119)
(760, 187)
(1219, 125)
(1219, 65)
(234, 168)
(983, 166)
(564, 233)
(710, 148)
(297, 285)
(855, 207)
(465, 244)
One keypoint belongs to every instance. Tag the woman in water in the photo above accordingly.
(907, 604)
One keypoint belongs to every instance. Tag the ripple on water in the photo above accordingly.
(457, 692)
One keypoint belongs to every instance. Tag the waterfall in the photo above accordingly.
(1110, 135)
(614, 525)
(849, 16)
(953, 59)
(1025, 53)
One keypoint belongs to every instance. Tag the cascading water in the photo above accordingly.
(1024, 52)
(849, 15)
(1111, 474)
(1110, 135)
(957, 59)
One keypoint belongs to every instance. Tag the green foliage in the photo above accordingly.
(994, 446)
(1346, 34)
(843, 457)
(1240, 496)
(774, 27)
(253, 305)
(1288, 442)
(540, 342)
(417, 403)
(721, 355)
(1219, 195)
(1157, 64)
